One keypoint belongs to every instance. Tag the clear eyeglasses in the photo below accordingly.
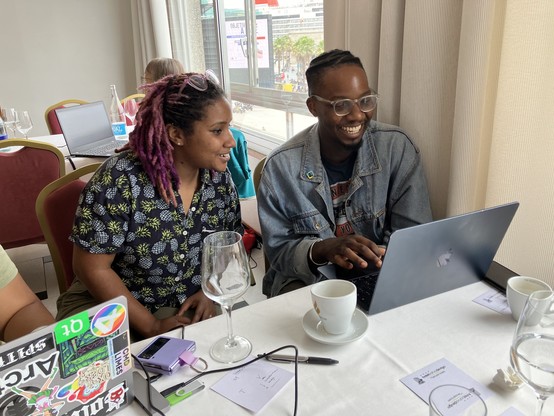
(345, 106)
(200, 81)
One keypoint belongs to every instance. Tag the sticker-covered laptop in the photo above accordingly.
(432, 258)
(78, 366)
(87, 130)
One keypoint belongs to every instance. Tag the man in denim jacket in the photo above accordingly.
(337, 190)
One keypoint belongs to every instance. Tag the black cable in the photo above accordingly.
(149, 385)
(71, 162)
(259, 357)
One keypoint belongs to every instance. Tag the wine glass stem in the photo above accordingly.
(230, 335)
(541, 400)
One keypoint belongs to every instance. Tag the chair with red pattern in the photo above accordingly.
(26, 166)
(55, 209)
(52, 119)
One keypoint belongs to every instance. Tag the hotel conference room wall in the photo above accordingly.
(59, 49)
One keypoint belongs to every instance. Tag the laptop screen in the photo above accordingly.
(78, 366)
(84, 124)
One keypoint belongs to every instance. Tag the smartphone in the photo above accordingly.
(162, 354)
(141, 396)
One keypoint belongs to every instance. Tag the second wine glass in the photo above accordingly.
(24, 123)
(131, 109)
(532, 351)
(225, 278)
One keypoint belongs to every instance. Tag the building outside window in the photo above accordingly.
(260, 49)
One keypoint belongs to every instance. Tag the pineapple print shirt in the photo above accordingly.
(158, 247)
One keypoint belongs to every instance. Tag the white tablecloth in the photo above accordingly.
(366, 381)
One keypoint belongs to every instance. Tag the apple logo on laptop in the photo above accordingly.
(444, 259)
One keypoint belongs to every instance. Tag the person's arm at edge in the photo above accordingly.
(22, 311)
(95, 272)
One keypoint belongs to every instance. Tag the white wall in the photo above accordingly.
(52, 50)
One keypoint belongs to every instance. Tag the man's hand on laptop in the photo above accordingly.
(348, 252)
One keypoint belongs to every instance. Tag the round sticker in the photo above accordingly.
(108, 320)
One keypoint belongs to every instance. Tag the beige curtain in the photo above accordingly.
(473, 83)
(150, 33)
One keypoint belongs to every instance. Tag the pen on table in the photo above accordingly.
(172, 389)
(301, 359)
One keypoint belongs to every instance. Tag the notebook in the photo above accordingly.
(429, 259)
(78, 366)
(87, 130)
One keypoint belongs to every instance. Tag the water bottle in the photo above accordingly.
(117, 116)
(3, 132)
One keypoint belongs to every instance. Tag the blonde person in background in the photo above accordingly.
(21, 312)
(158, 68)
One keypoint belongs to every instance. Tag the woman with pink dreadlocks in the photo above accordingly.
(142, 218)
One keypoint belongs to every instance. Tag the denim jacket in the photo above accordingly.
(388, 191)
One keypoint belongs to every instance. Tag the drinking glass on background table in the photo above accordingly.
(131, 109)
(9, 115)
(225, 278)
(532, 351)
(23, 123)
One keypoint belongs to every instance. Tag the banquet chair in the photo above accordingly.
(55, 209)
(52, 119)
(138, 97)
(257, 176)
(26, 166)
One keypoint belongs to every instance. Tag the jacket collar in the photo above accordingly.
(312, 169)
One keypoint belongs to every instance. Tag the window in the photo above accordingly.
(265, 82)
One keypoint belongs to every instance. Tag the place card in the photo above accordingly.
(495, 300)
(253, 386)
(438, 373)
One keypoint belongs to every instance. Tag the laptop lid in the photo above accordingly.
(78, 366)
(436, 257)
(87, 127)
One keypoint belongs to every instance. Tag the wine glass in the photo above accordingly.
(131, 109)
(9, 115)
(451, 399)
(532, 351)
(24, 123)
(225, 278)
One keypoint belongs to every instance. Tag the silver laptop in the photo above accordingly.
(87, 130)
(78, 366)
(429, 259)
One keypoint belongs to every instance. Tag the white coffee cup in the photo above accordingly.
(518, 290)
(334, 302)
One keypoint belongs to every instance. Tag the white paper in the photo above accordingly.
(495, 300)
(253, 386)
(512, 411)
(438, 373)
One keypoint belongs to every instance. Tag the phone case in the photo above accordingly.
(162, 354)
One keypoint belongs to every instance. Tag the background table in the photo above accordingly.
(366, 381)
(78, 161)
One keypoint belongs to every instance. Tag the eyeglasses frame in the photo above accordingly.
(356, 101)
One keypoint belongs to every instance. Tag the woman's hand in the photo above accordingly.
(204, 308)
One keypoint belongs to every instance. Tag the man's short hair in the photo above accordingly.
(325, 61)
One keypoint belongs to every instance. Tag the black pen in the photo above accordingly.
(301, 359)
(172, 389)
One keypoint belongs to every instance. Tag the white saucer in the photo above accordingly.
(314, 329)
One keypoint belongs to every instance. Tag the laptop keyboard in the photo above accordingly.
(365, 286)
(103, 150)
